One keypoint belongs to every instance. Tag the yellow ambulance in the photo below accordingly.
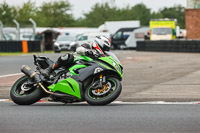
(163, 29)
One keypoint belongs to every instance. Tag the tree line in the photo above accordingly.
(58, 14)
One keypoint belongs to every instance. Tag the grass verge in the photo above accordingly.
(20, 53)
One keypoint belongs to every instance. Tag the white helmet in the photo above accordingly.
(101, 44)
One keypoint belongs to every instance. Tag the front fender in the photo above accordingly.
(113, 73)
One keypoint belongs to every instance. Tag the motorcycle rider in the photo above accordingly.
(97, 49)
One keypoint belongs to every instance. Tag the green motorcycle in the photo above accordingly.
(96, 81)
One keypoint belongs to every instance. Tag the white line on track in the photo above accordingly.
(4, 100)
(9, 75)
(120, 102)
(156, 102)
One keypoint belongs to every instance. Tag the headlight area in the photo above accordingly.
(116, 66)
(57, 47)
(56, 44)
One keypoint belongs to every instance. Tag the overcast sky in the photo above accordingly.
(83, 6)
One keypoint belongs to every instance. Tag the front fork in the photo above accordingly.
(102, 81)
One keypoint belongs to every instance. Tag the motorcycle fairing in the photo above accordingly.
(68, 86)
(88, 71)
(75, 68)
(89, 66)
(110, 61)
(82, 57)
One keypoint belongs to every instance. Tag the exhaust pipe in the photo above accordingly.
(27, 71)
(40, 84)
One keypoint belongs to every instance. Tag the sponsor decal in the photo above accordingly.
(27, 68)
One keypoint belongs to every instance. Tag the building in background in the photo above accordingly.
(192, 19)
(193, 4)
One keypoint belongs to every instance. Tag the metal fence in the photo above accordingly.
(19, 46)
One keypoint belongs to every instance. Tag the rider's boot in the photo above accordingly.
(46, 72)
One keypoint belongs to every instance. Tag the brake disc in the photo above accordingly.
(100, 92)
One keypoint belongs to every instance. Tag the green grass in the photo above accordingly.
(20, 53)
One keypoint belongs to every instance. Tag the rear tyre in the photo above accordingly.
(23, 95)
(104, 97)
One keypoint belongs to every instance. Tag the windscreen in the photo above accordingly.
(112, 55)
(161, 31)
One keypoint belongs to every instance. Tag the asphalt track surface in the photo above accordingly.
(114, 118)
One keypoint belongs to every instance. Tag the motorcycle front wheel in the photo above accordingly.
(23, 94)
(103, 96)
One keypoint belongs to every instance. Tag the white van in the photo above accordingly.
(87, 38)
(137, 35)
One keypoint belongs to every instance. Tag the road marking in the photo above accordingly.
(119, 102)
(9, 75)
(4, 100)
(156, 102)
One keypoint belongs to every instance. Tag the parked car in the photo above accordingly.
(63, 42)
(86, 38)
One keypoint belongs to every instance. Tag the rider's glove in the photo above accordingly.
(92, 53)
(81, 50)
(88, 52)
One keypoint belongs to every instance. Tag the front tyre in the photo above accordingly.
(106, 95)
(23, 94)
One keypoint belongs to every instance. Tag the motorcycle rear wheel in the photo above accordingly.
(25, 96)
(95, 98)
